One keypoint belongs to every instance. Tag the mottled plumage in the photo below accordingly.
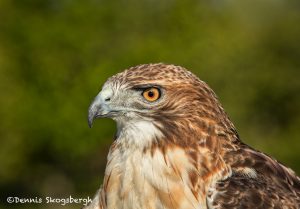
(179, 149)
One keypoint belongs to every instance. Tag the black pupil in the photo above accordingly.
(151, 94)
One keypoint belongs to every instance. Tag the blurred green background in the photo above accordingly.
(56, 54)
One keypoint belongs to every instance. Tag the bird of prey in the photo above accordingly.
(176, 148)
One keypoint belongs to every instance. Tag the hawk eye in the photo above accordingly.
(151, 94)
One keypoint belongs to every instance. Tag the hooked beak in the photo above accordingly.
(95, 111)
(100, 108)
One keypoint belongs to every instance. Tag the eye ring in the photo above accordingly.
(151, 94)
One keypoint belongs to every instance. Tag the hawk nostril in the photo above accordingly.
(107, 99)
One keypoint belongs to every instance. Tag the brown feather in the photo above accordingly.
(199, 156)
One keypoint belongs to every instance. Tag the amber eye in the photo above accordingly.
(151, 94)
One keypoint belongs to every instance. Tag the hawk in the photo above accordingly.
(176, 148)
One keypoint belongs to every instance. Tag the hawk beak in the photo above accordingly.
(100, 107)
(95, 110)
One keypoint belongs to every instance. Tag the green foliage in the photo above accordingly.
(55, 55)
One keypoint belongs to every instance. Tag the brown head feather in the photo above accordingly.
(199, 152)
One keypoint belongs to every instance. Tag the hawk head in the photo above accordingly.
(159, 98)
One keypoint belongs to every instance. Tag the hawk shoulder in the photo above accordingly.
(257, 181)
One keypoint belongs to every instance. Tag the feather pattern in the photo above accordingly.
(182, 151)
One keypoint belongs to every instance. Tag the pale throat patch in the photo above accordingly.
(137, 132)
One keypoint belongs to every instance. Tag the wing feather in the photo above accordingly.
(257, 181)
(240, 191)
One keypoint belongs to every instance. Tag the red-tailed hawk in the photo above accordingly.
(176, 148)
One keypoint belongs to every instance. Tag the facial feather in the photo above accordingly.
(181, 150)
